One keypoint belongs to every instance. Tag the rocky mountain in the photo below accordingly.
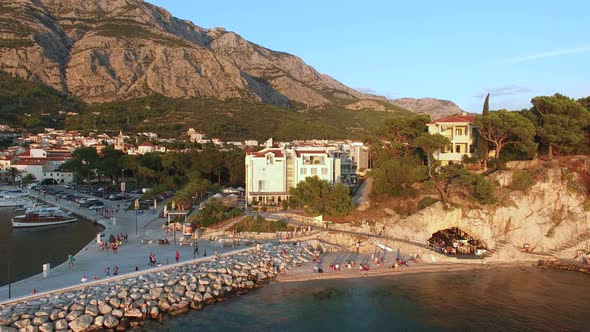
(436, 108)
(107, 50)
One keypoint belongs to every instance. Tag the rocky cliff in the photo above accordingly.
(436, 108)
(106, 50)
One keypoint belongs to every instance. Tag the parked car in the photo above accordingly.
(92, 202)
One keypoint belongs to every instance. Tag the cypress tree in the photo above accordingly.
(486, 106)
(481, 144)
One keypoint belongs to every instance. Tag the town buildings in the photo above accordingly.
(271, 172)
(42, 164)
(459, 129)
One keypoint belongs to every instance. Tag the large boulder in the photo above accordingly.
(61, 324)
(73, 315)
(179, 290)
(104, 308)
(46, 327)
(154, 312)
(117, 313)
(163, 305)
(22, 323)
(37, 321)
(133, 313)
(110, 321)
(156, 292)
(115, 302)
(178, 308)
(99, 321)
(77, 307)
(81, 323)
(92, 310)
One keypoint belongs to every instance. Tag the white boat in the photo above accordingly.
(13, 198)
(37, 219)
(44, 208)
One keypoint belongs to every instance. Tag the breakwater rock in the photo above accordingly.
(564, 266)
(126, 302)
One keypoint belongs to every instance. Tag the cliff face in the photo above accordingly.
(547, 216)
(436, 108)
(105, 50)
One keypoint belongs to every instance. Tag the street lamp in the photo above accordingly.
(136, 210)
(10, 279)
(123, 180)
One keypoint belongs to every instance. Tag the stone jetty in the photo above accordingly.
(124, 303)
(569, 266)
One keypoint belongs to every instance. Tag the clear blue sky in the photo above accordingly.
(456, 50)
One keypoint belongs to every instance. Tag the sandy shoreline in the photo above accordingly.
(305, 272)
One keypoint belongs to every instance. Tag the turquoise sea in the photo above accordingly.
(497, 299)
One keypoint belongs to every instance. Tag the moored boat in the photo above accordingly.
(42, 218)
(13, 198)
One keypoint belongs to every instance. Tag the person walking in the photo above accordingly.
(70, 261)
(196, 251)
(177, 256)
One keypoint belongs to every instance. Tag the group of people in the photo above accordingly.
(114, 242)
(107, 273)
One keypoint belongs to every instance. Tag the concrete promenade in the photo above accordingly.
(91, 260)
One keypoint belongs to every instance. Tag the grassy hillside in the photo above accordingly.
(31, 105)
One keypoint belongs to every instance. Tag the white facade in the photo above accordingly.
(460, 131)
(310, 162)
(270, 173)
(60, 177)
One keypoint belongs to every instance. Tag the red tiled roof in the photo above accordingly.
(31, 161)
(146, 143)
(456, 118)
(27, 153)
(259, 154)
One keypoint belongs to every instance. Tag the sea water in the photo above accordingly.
(497, 299)
(27, 249)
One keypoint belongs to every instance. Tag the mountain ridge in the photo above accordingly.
(102, 51)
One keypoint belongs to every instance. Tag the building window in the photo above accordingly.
(303, 171)
(314, 171)
(459, 131)
(324, 171)
(269, 159)
(458, 148)
(260, 185)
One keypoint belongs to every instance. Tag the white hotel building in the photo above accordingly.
(271, 172)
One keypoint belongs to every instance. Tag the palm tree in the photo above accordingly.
(14, 173)
(27, 179)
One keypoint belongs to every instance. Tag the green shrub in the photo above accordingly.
(522, 180)
(260, 225)
(426, 202)
(215, 212)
